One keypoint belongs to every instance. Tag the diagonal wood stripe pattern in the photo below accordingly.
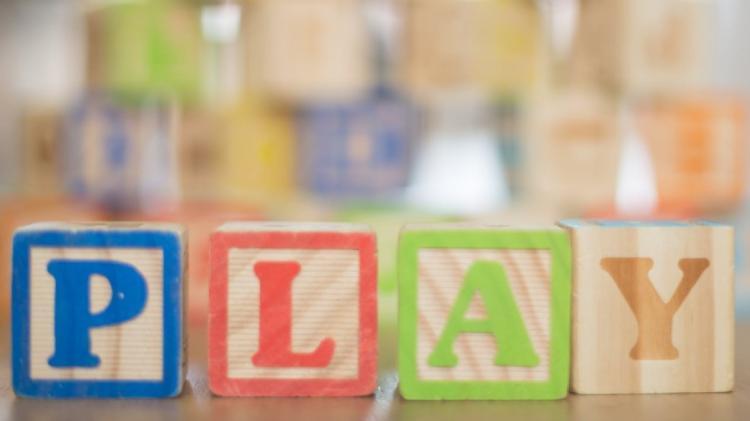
(324, 302)
(441, 275)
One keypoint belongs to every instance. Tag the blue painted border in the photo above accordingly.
(626, 223)
(169, 386)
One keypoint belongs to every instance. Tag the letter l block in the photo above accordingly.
(653, 306)
(484, 312)
(97, 310)
(293, 310)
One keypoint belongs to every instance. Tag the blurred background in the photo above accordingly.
(377, 111)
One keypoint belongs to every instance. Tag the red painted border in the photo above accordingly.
(365, 382)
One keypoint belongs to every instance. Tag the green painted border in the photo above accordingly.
(557, 241)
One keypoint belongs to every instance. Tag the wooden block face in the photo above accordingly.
(483, 313)
(331, 62)
(292, 310)
(97, 311)
(653, 307)
(357, 150)
(122, 157)
(698, 149)
(257, 151)
(572, 135)
(149, 50)
(667, 46)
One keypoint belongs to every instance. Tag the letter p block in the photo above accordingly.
(97, 311)
(484, 312)
(293, 310)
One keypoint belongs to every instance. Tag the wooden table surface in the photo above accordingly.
(196, 402)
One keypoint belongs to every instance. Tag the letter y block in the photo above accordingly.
(97, 310)
(653, 308)
(293, 310)
(484, 312)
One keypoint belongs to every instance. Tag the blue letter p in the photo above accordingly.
(73, 318)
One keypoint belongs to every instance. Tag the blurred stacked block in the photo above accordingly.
(475, 39)
(309, 50)
(573, 145)
(148, 48)
(257, 151)
(640, 47)
(122, 157)
(698, 149)
(667, 46)
(356, 150)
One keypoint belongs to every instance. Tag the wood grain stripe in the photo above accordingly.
(441, 273)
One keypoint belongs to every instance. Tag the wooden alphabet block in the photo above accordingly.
(653, 307)
(357, 150)
(122, 156)
(484, 312)
(569, 136)
(293, 310)
(667, 46)
(98, 310)
(306, 51)
(257, 151)
(697, 148)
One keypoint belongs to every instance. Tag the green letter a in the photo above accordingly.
(503, 320)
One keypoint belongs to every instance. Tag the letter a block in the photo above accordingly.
(293, 310)
(484, 312)
(653, 308)
(97, 311)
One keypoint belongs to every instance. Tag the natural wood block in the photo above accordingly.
(484, 312)
(293, 310)
(309, 50)
(122, 156)
(653, 307)
(474, 41)
(569, 136)
(98, 310)
(148, 50)
(668, 46)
